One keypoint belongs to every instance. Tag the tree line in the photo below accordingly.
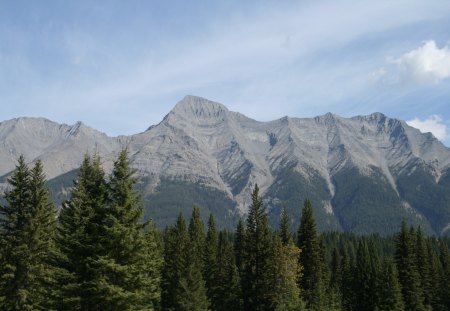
(96, 253)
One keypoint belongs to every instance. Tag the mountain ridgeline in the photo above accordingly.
(363, 174)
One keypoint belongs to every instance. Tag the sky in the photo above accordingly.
(121, 66)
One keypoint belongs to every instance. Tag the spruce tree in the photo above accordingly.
(176, 241)
(196, 232)
(444, 288)
(80, 238)
(365, 279)
(286, 272)
(423, 267)
(311, 282)
(285, 227)
(129, 267)
(335, 286)
(239, 246)
(256, 286)
(227, 289)
(211, 264)
(193, 295)
(390, 294)
(27, 226)
(406, 261)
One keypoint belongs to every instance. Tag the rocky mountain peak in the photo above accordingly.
(198, 107)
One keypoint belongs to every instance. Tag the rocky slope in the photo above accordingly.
(364, 174)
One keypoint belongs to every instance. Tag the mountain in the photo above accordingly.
(363, 174)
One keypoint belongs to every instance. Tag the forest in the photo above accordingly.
(96, 253)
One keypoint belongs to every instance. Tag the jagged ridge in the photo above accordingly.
(202, 142)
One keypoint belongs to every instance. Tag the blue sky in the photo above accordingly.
(120, 66)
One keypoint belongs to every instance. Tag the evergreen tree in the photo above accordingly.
(193, 295)
(311, 282)
(197, 238)
(434, 273)
(348, 282)
(423, 265)
(27, 227)
(239, 246)
(390, 295)
(80, 238)
(129, 267)
(285, 227)
(406, 259)
(366, 274)
(286, 272)
(227, 290)
(336, 283)
(176, 241)
(211, 264)
(444, 288)
(256, 286)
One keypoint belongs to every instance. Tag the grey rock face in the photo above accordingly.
(202, 141)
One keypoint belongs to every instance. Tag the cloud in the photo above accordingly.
(426, 63)
(433, 124)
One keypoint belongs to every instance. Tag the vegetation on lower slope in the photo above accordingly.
(99, 255)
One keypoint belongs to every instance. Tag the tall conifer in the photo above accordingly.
(256, 286)
(27, 226)
(311, 282)
(406, 261)
(80, 238)
(129, 267)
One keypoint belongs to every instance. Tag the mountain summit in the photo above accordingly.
(363, 174)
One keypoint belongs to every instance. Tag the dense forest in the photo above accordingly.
(96, 253)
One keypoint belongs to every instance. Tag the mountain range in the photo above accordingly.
(363, 174)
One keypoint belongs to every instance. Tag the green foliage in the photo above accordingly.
(390, 295)
(211, 263)
(312, 280)
(406, 260)
(366, 204)
(227, 293)
(239, 246)
(256, 284)
(27, 228)
(176, 241)
(431, 199)
(107, 258)
(290, 188)
(285, 227)
(173, 196)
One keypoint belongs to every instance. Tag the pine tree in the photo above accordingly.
(390, 294)
(311, 283)
(79, 238)
(406, 259)
(27, 226)
(256, 285)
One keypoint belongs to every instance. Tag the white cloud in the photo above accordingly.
(433, 124)
(426, 63)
